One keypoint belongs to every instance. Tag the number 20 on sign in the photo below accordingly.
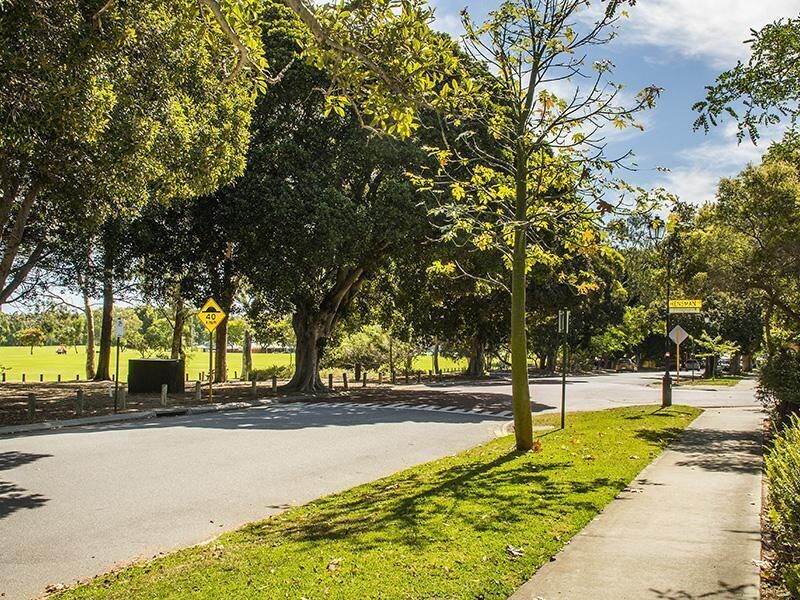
(211, 315)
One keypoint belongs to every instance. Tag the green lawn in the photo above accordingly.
(44, 360)
(475, 525)
(717, 381)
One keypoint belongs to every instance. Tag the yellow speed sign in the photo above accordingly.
(211, 315)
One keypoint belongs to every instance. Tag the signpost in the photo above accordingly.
(211, 316)
(120, 333)
(563, 328)
(678, 335)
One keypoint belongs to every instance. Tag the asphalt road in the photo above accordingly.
(602, 391)
(78, 502)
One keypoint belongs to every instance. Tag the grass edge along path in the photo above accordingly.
(727, 381)
(474, 525)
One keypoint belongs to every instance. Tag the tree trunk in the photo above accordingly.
(311, 340)
(247, 354)
(436, 356)
(391, 357)
(768, 330)
(520, 392)
(711, 367)
(103, 372)
(736, 363)
(89, 315)
(313, 325)
(178, 325)
(221, 350)
(12, 233)
(477, 357)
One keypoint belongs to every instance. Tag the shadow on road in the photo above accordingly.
(12, 496)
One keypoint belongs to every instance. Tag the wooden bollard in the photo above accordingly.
(59, 378)
(197, 392)
(406, 377)
(187, 377)
(23, 378)
(253, 386)
(41, 377)
(380, 377)
(163, 394)
(123, 397)
(113, 377)
(364, 379)
(274, 384)
(344, 381)
(4, 376)
(235, 375)
(393, 377)
(419, 377)
(31, 407)
(330, 382)
(78, 377)
(79, 401)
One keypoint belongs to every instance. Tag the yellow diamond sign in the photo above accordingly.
(211, 315)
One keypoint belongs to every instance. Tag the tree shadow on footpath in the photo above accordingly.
(725, 591)
(719, 450)
(12, 496)
(428, 507)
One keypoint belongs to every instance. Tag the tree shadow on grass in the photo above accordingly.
(12, 496)
(425, 507)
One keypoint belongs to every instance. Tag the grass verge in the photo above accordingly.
(475, 525)
(716, 381)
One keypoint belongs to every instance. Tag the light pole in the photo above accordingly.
(658, 232)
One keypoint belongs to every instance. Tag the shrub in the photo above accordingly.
(281, 372)
(779, 386)
(783, 470)
(368, 347)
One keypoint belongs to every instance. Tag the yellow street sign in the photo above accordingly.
(685, 306)
(211, 315)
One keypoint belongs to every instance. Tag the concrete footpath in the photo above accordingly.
(688, 527)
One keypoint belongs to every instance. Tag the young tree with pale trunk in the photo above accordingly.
(543, 173)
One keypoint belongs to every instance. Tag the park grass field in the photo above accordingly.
(44, 361)
(474, 525)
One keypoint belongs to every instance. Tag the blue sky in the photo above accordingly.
(681, 46)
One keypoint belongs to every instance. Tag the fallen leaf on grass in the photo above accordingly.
(334, 564)
(514, 553)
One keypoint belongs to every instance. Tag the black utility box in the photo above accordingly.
(147, 375)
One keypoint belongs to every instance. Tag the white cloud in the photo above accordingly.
(699, 168)
(710, 30)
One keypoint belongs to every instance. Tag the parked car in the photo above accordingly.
(625, 364)
(693, 365)
(724, 365)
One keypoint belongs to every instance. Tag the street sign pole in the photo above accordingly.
(120, 331)
(116, 380)
(211, 315)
